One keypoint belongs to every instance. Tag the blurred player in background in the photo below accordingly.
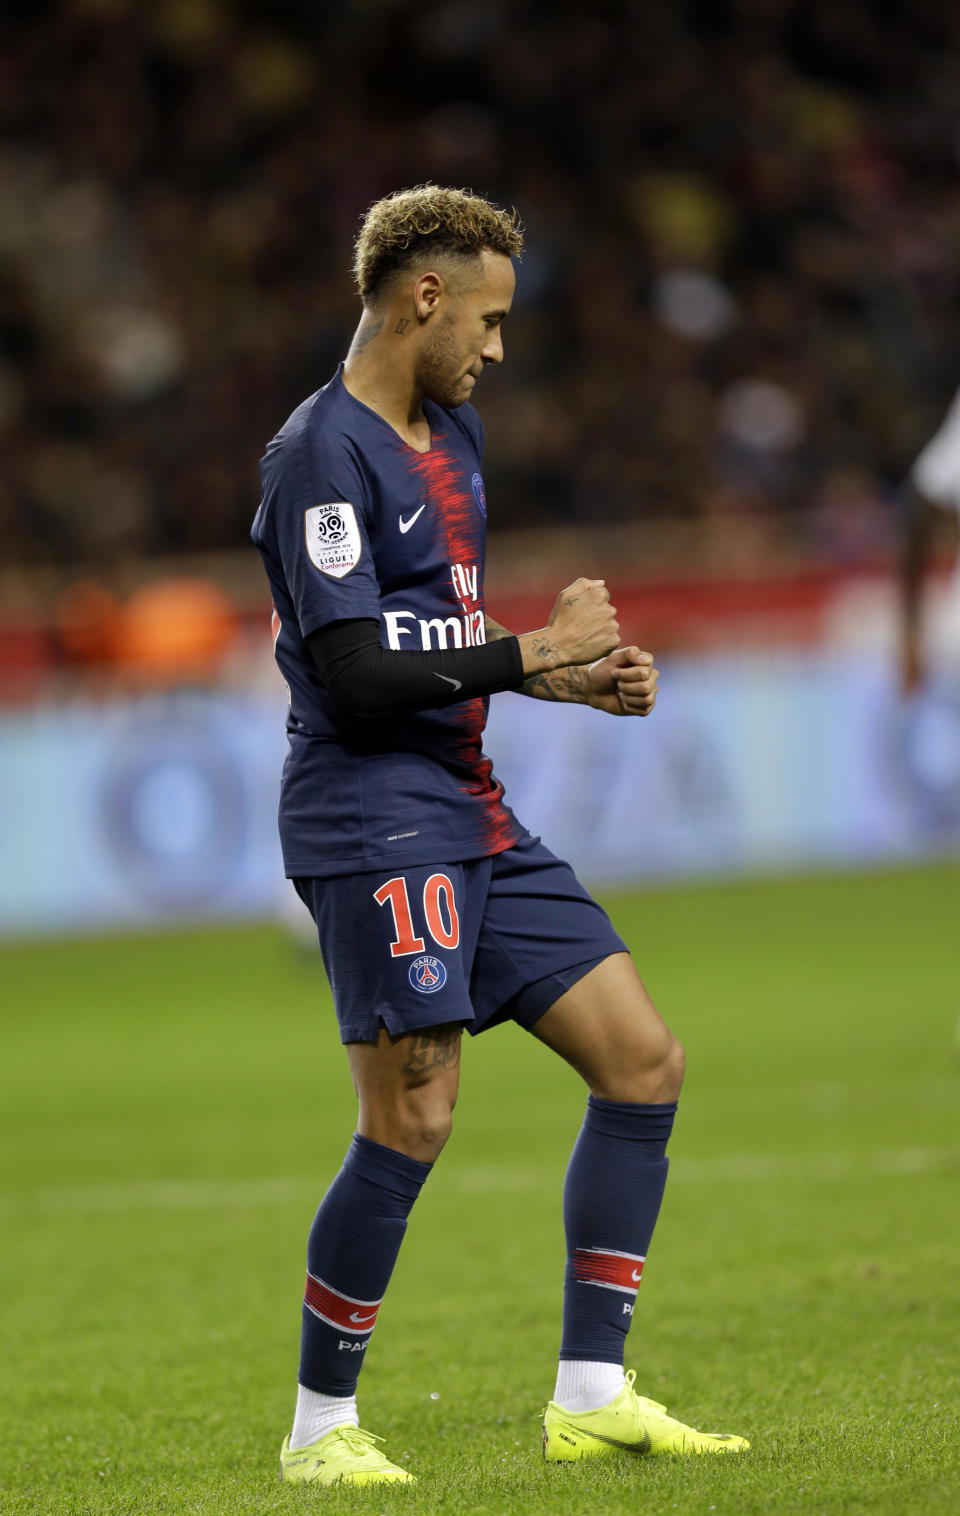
(436, 909)
(932, 488)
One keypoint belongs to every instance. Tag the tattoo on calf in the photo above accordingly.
(438, 1048)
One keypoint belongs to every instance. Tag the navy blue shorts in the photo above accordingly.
(496, 939)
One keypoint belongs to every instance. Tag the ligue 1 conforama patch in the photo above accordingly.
(427, 975)
(333, 538)
(478, 494)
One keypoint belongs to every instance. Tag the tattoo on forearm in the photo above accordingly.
(439, 1048)
(564, 684)
(545, 649)
(493, 631)
(401, 326)
(538, 685)
(366, 334)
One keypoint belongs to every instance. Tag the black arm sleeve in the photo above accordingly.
(366, 679)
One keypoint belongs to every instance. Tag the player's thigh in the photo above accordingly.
(541, 932)
(397, 946)
(608, 1029)
(407, 1087)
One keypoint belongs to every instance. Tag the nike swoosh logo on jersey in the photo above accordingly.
(636, 1277)
(406, 525)
(362, 1320)
(457, 683)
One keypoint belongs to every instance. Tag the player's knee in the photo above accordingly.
(426, 1136)
(422, 1125)
(662, 1076)
(652, 1074)
(433, 1134)
(673, 1068)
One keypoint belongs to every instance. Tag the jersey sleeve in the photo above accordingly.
(319, 504)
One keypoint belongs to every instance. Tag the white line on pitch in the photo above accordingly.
(467, 1179)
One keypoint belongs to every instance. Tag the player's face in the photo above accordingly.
(465, 333)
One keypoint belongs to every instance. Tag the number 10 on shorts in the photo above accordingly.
(438, 902)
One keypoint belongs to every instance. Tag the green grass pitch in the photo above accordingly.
(173, 1106)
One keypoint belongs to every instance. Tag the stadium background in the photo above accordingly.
(736, 323)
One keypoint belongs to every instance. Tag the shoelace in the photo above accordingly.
(630, 1377)
(357, 1440)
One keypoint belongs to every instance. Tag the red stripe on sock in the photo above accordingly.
(623, 1271)
(357, 1316)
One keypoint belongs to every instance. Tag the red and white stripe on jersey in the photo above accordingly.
(340, 1311)
(609, 1270)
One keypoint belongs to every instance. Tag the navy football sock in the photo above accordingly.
(353, 1245)
(611, 1198)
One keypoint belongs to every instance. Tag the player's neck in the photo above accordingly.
(379, 373)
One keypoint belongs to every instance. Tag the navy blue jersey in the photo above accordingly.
(353, 522)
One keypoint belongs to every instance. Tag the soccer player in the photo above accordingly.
(933, 484)
(436, 909)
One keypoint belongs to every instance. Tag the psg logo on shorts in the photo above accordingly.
(427, 975)
(478, 495)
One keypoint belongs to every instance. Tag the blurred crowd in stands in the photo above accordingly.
(739, 299)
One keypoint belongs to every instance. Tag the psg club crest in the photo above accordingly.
(478, 495)
(427, 975)
(333, 538)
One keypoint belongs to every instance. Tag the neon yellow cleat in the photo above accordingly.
(344, 1456)
(630, 1423)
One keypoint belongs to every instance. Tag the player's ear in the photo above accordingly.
(426, 294)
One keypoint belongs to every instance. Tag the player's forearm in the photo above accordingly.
(563, 684)
(582, 628)
(549, 682)
(367, 680)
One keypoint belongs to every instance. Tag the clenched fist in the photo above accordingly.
(624, 683)
(583, 623)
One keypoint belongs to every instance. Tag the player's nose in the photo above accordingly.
(493, 348)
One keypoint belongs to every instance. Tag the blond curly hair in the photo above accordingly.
(428, 220)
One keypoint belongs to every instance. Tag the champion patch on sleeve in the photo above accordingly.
(333, 538)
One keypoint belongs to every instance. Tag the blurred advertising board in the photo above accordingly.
(139, 812)
(163, 809)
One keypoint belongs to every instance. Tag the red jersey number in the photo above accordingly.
(438, 903)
